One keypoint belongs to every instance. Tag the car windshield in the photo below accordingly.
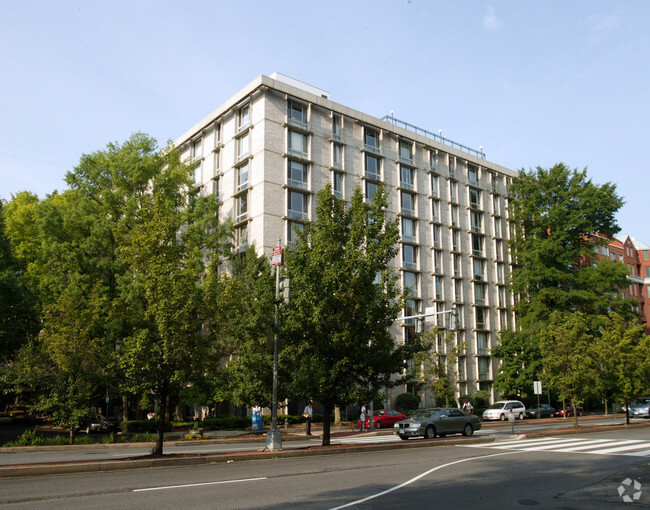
(423, 413)
(496, 406)
(641, 401)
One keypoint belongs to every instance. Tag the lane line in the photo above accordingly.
(416, 478)
(199, 484)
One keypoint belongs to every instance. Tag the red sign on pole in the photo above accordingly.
(276, 259)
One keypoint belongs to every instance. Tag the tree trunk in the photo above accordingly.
(337, 415)
(327, 415)
(162, 411)
(125, 408)
(627, 412)
(71, 434)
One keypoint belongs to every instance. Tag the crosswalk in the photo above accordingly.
(628, 447)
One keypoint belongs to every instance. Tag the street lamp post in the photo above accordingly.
(273, 437)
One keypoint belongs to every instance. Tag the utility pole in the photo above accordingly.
(273, 437)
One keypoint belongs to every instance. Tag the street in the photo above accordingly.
(575, 471)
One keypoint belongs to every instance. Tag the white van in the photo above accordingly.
(499, 410)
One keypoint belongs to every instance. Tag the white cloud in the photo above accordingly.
(491, 21)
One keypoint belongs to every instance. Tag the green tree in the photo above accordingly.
(436, 366)
(19, 314)
(344, 298)
(168, 234)
(568, 347)
(557, 216)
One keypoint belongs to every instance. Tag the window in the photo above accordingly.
(241, 236)
(455, 240)
(476, 219)
(406, 177)
(458, 290)
(408, 203)
(482, 343)
(434, 185)
(497, 227)
(336, 128)
(498, 248)
(296, 174)
(437, 261)
(501, 294)
(337, 155)
(479, 269)
(292, 236)
(371, 140)
(409, 256)
(244, 119)
(500, 273)
(483, 371)
(458, 264)
(197, 175)
(646, 254)
(454, 216)
(453, 191)
(437, 285)
(373, 167)
(481, 317)
(298, 205)
(243, 147)
(242, 207)
(410, 309)
(371, 189)
(480, 293)
(496, 205)
(337, 184)
(410, 281)
(647, 272)
(452, 166)
(298, 144)
(435, 210)
(197, 151)
(503, 319)
(612, 257)
(433, 161)
(297, 114)
(437, 235)
(242, 177)
(474, 198)
(409, 230)
(495, 182)
(461, 368)
(405, 151)
(472, 175)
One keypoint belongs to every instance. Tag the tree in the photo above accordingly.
(567, 346)
(344, 298)
(167, 235)
(436, 366)
(19, 314)
(557, 217)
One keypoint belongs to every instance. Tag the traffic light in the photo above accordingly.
(285, 289)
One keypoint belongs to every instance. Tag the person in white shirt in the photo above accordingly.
(307, 413)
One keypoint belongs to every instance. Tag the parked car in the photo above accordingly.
(541, 411)
(437, 421)
(499, 410)
(16, 411)
(568, 411)
(640, 407)
(96, 423)
(385, 418)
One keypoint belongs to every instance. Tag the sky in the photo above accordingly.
(533, 83)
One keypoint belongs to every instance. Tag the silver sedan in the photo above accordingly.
(437, 421)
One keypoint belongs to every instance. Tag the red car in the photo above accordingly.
(568, 411)
(385, 418)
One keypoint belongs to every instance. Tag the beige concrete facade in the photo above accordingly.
(270, 148)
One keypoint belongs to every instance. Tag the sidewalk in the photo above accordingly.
(233, 437)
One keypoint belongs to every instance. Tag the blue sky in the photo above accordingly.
(534, 83)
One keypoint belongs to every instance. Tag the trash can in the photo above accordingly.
(257, 421)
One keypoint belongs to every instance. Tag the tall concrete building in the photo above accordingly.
(270, 148)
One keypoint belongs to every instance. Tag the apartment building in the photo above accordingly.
(270, 148)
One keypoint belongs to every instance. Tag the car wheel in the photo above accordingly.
(468, 430)
(521, 416)
(429, 432)
(378, 425)
(502, 417)
(404, 438)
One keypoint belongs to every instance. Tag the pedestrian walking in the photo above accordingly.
(307, 413)
(362, 416)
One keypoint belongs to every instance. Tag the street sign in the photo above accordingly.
(276, 259)
(537, 387)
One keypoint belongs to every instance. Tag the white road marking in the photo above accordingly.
(199, 484)
(578, 445)
(416, 478)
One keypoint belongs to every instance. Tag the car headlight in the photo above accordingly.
(396, 425)
(415, 425)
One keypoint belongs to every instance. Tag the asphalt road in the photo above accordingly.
(570, 472)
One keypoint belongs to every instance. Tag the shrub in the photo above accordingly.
(29, 438)
(406, 401)
(150, 426)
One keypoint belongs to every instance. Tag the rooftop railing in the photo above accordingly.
(434, 136)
